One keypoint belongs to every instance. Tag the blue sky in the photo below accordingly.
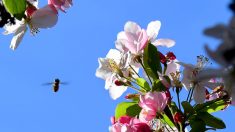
(70, 50)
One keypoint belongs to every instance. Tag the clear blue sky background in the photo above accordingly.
(70, 51)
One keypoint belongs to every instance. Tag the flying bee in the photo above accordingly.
(56, 84)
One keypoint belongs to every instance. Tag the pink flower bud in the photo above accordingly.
(125, 119)
(178, 117)
(30, 10)
(171, 56)
(118, 83)
(142, 127)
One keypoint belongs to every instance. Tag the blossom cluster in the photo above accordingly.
(157, 81)
(16, 16)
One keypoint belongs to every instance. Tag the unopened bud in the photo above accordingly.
(118, 83)
(171, 56)
(178, 117)
(132, 96)
(30, 10)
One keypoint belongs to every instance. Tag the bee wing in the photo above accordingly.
(45, 84)
(64, 83)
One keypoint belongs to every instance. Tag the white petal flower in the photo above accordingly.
(190, 81)
(42, 18)
(104, 70)
(114, 61)
(224, 54)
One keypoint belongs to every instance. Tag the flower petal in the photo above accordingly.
(114, 55)
(44, 18)
(120, 42)
(153, 29)
(18, 36)
(116, 91)
(142, 40)
(103, 71)
(132, 27)
(199, 94)
(164, 42)
(172, 67)
(12, 28)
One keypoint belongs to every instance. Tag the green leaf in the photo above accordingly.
(143, 84)
(210, 120)
(168, 121)
(211, 106)
(127, 108)
(15, 7)
(197, 126)
(188, 109)
(152, 61)
(158, 86)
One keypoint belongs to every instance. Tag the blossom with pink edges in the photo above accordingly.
(129, 124)
(152, 103)
(61, 4)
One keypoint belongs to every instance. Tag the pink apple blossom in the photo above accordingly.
(152, 103)
(147, 115)
(133, 38)
(129, 124)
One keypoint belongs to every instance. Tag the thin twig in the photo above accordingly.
(178, 98)
(134, 71)
(190, 90)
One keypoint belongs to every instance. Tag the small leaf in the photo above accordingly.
(127, 108)
(158, 86)
(143, 84)
(210, 120)
(188, 109)
(15, 7)
(133, 110)
(211, 106)
(152, 61)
